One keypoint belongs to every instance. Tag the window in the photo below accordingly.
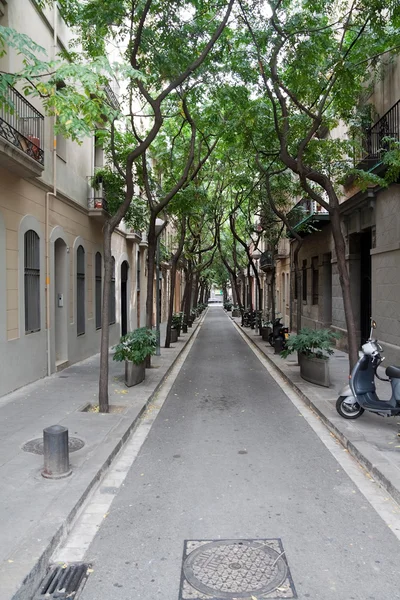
(304, 281)
(32, 281)
(315, 279)
(61, 147)
(80, 290)
(138, 272)
(111, 310)
(98, 282)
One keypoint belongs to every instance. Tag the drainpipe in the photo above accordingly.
(48, 194)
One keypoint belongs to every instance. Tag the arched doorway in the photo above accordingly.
(124, 297)
(60, 302)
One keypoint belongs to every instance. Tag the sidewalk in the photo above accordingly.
(36, 512)
(371, 439)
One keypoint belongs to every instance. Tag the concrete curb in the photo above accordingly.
(370, 463)
(37, 573)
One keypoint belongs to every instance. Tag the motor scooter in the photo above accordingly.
(360, 394)
(277, 330)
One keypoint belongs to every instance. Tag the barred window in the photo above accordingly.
(112, 317)
(80, 290)
(32, 281)
(98, 282)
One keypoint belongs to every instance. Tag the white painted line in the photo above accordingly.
(380, 500)
(98, 505)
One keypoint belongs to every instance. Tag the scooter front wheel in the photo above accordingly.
(271, 339)
(348, 411)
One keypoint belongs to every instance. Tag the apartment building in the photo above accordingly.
(372, 233)
(51, 257)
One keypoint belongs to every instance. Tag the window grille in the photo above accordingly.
(80, 290)
(98, 282)
(138, 272)
(112, 317)
(32, 281)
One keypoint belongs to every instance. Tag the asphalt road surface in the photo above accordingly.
(229, 457)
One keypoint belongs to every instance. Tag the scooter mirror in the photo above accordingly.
(373, 324)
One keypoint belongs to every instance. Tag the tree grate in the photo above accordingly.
(63, 582)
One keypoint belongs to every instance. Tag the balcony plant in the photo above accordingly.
(134, 348)
(313, 347)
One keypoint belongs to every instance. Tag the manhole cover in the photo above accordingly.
(233, 569)
(63, 582)
(36, 446)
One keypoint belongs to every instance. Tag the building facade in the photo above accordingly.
(51, 257)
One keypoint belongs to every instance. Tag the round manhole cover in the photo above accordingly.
(235, 569)
(36, 446)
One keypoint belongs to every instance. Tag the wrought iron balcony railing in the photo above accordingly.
(374, 142)
(96, 197)
(305, 211)
(22, 125)
(266, 260)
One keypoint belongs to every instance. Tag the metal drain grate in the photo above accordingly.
(63, 582)
(235, 569)
(36, 446)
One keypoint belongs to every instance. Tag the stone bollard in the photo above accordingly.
(56, 452)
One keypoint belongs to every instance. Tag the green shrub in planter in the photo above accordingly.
(314, 343)
(136, 346)
(176, 322)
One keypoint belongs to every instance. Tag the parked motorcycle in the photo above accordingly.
(360, 394)
(279, 331)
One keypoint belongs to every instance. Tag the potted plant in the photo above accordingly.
(235, 311)
(313, 347)
(228, 306)
(134, 348)
(176, 324)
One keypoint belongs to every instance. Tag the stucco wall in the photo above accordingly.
(386, 272)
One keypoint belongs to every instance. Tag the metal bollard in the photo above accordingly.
(56, 452)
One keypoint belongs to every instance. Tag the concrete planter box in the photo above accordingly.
(314, 370)
(236, 312)
(184, 327)
(134, 374)
(174, 335)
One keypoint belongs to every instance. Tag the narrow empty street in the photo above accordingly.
(230, 457)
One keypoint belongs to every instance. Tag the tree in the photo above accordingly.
(309, 65)
(166, 44)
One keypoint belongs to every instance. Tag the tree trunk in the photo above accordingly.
(340, 247)
(188, 299)
(105, 327)
(174, 268)
(151, 253)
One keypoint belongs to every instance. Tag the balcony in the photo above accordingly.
(374, 145)
(267, 261)
(307, 213)
(21, 136)
(134, 236)
(97, 202)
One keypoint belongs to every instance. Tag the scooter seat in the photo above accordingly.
(393, 372)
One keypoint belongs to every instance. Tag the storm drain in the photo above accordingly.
(36, 446)
(63, 582)
(235, 569)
